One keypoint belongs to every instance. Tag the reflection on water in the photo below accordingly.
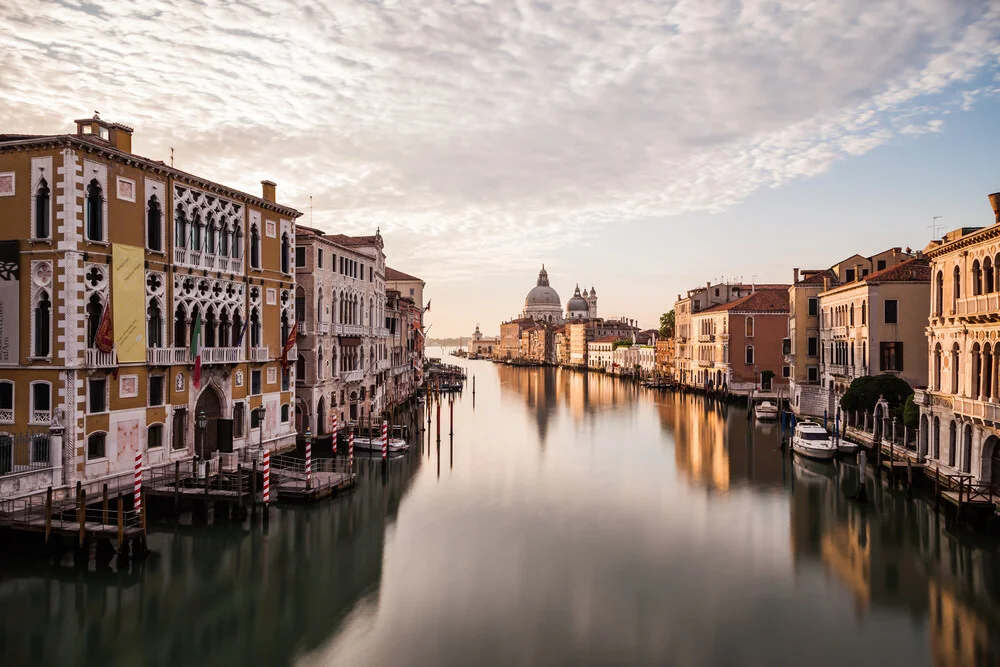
(572, 519)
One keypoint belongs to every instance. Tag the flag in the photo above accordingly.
(196, 349)
(289, 344)
(243, 330)
(428, 305)
(105, 338)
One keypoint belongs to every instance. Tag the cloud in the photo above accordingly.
(466, 127)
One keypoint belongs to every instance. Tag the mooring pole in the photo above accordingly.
(48, 514)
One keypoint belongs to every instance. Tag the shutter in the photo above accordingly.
(899, 356)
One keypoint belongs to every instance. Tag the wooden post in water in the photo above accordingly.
(104, 505)
(253, 487)
(48, 514)
(451, 416)
(177, 487)
(439, 421)
(121, 521)
(909, 477)
(81, 515)
(239, 488)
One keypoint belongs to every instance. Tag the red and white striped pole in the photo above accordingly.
(385, 439)
(350, 449)
(137, 497)
(309, 458)
(267, 477)
(334, 427)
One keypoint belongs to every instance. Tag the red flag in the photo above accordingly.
(289, 344)
(196, 350)
(105, 338)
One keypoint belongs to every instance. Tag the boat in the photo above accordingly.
(766, 410)
(811, 440)
(847, 447)
(365, 443)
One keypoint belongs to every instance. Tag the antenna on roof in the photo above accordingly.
(933, 226)
(171, 156)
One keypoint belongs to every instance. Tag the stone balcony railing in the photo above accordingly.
(381, 332)
(981, 305)
(706, 363)
(207, 261)
(7, 416)
(353, 376)
(840, 370)
(838, 332)
(166, 356)
(984, 410)
(323, 327)
(94, 358)
(221, 355)
(706, 338)
(259, 355)
(302, 328)
(352, 329)
(381, 365)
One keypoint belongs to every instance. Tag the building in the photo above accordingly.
(808, 396)
(874, 325)
(408, 286)
(542, 303)
(960, 410)
(404, 320)
(510, 337)
(635, 358)
(582, 333)
(686, 368)
(134, 297)
(665, 357)
(560, 341)
(739, 344)
(482, 346)
(537, 343)
(600, 353)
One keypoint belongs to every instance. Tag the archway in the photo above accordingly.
(301, 415)
(922, 439)
(966, 462)
(990, 468)
(211, 404)
(321, 417)
(881, 410)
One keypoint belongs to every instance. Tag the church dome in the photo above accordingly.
(577, 302)
(541, 294)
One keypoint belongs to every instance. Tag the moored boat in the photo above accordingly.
(811, 440)
(766, 410)
(365, 443)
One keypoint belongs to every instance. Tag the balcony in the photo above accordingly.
(302, 329)
(983, 307)
(840, 370)
(209, 262)
(164, 356)
(381, 365)
(352, 330)
(838, 332)
(706, 338)
(983, 411)
(221, 355)
(324, 327)
(353, 376)
(706, 363)
(259, 355)
(94, 358)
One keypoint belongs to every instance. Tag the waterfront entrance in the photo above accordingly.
(991, 453)
(209, 403)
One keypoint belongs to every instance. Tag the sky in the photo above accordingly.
(643, 147)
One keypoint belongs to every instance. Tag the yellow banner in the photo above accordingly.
(127, 297)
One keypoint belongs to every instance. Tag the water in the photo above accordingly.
(576, 520)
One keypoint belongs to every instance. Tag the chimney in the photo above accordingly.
(795, 273)
(268, 190)
(995, 203)
(121, 137)
(826, 283)
(857, 273)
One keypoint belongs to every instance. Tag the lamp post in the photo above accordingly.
(261, 411)
(202, 422)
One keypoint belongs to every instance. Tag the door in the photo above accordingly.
(207, 442)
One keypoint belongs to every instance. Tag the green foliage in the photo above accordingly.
(621, 342)
(667, 325)
(864, 393)
(911, 413)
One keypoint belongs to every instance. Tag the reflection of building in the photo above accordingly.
(121, 279)
(960, 416)
(665, 348)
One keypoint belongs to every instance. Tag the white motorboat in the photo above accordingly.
(766, 410)
(375, 444)
(847, 447)
(811, 440)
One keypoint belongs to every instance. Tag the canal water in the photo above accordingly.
(573, 519)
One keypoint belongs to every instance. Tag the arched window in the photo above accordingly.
(154, 325)
(955, 368)
(254, 247)
(196, 236)
(154, 224)
(96, 446)
(956, 288)
(967, 449)
(213, 233)
(43, 325)
(237, 248)
(937, 367)
(284, 413)
(977, 366)
(180, 228)
(42, 200)
(749, 355)
(300, 304)
(95, 311)
(254, 328)
(864, 356)
(286, 254)
(237, 329)
(95, 211)
(224, 239)
(936, 442)
(864, 313)
(952, 443)
(939, 294)
(852, 315)
(300, 367)
(987, 276)
(225, 334)
(180, 327)
(977, 278)
(285, 327)
(211, 325)
(319, 364)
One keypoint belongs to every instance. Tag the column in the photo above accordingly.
(56, 431)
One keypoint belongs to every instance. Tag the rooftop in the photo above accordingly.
(393, 274)
(766, 300)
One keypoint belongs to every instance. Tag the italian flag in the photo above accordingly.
(196, 349)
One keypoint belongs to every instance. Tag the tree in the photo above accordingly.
(911, 413)
(667, 325)
(864, 393)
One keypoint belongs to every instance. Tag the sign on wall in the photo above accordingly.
(127, 297)
(10, 258)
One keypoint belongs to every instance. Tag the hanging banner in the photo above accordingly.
(127, 298)
(10, 263)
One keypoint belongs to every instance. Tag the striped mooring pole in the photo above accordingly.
(385, 439)
(334, 428)
(137, 497)
(350, 449)
(267, 477)
(309, 458)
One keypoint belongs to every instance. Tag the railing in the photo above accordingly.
(352, 329)
(838, 332)
(221, 355)
(182, 355)
(194, 258)
(381, 332)
(706, 338)
(324, 327)
(302, 328)
(97, 359)
(259, 354)
(973, 408)
(982, 304)
(970, 491)
(41, 417)
(840, 369)
(353, 376)
(159, 356)
(381, 365)
(336, 328)
(706, 363)
(180, 256)
(24, 452)
(34, 510)
(7, 416)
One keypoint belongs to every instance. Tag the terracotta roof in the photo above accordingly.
(915, 270)
(817, 278)
(345, 240)
(606, 339)
(768, 300)
(393, 274)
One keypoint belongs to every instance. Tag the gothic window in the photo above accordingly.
(154, 224)
(154, 325)
(95, 211)
(939, 294)
(749, 355)
(237, 329)
(285, 328)
(286, 254)
(213, 232)
(180, 327)
(300, 305)
(224, 329)
(254, 328)
(300, 368)
(180, 228)
(210, 328)
(237, 242)
(224, 239)
(43, 325)
(977, 279)
(95, 311)
(191, 324)
(319, 365)
(179, 429)
(196, 228)
(987, 276)
(254, 247)
(42, 201)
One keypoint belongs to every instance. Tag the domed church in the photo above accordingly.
(543, 305)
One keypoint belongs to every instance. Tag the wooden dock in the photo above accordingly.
(323, 485)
